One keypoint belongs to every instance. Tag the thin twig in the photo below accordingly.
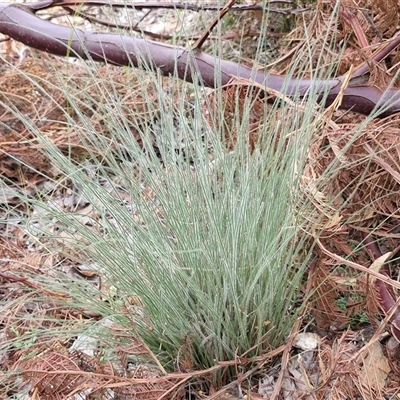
(359, 267)
(109, 24)
(200, 41)
(291, 6)
(26, 282)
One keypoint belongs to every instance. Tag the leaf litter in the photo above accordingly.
(355, 356)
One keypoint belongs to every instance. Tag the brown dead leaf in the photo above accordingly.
(376, 367)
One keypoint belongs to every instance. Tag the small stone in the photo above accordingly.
(306, 341)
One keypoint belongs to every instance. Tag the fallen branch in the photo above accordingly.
(20, 23)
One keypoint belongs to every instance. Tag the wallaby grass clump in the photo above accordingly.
(207, 238)
(211, 241)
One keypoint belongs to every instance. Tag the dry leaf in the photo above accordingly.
(376, 367)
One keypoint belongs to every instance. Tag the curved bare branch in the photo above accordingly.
(20, 23)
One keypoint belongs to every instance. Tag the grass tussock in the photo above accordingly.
(209, 240)
(206, 238)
